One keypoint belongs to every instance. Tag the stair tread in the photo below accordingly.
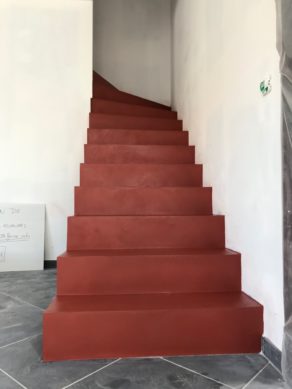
(149, 217)
(157, 301)
(133, 146)
(141, 174)
(136, 136)
(138, 118)
(115, 102)
(126, 232)
(146, 165)
(123, 200)
(143, 252)
(120, 104)
(145, 188)
(136, 129)
(164, 154)
(109, 272)
(142, 130)
(101, 120)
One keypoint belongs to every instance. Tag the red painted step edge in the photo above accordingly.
(137, 137)
(142, 175)
(139, 154)
(142, 201)
(134, 232)
(141, 325)
(100, 120)
(111, 272)
(117, 108)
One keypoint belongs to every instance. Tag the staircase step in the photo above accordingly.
(148, 271)
(140, 175)
(100, 120)
(116, 108)
(137, 232)
(139, 154)
(112, 94)
(137, 137)
(143, 201)
(88, 327)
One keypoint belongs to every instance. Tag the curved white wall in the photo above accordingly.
(132, 42)
(46, 81)
(221, 52)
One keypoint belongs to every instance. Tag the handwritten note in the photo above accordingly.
(21, 236)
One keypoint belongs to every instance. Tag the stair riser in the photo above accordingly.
(139, 154)
(113, 334)
(140, 175)
(116, 232)
(143, 201)
(103, 92)
(128, 122)
(148, 274)
(137, 137)
(111, 107)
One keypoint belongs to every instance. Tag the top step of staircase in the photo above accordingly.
(118, 108)
(102, 89)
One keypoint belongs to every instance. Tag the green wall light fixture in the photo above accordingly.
(266, 86)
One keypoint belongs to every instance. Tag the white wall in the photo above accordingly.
(221, 52)
(132, 46)
(45, 78)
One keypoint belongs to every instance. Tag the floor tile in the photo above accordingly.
(18, 323)
(23, 362)
(269, 378)
(148, 373)
(7, 303)
(36, 288)
(6, 278)
(233, 370)
(7, 383)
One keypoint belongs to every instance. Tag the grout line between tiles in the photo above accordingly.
(255, 376)
(11, 326)
(13, 379)
(196, 372)
(19, 341)
(89, 375)
(21, 301)
(271, 363)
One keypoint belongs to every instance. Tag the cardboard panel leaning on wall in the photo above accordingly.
(22, 237)
(45, 78)
(221, 53)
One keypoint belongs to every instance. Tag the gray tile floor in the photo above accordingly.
(23, 296)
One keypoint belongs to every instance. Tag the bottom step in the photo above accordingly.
(89, 327)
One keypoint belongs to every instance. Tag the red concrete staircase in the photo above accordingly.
(146, 270)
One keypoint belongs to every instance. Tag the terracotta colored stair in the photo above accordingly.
(146, 270)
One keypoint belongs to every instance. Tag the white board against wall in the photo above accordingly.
(22, 228)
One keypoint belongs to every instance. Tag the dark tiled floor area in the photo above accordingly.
(23, 296)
